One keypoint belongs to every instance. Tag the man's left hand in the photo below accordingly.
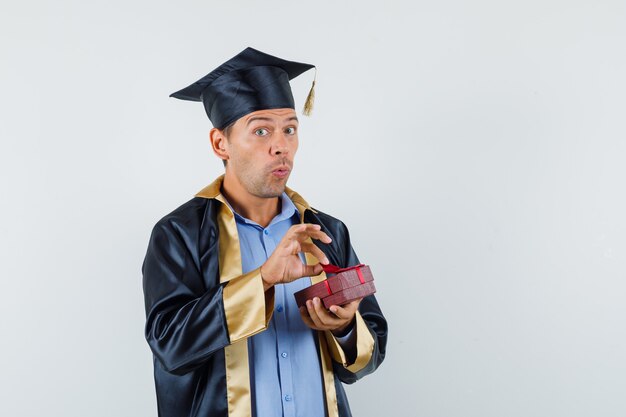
(338, 319)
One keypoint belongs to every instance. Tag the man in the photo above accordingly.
(221, 270)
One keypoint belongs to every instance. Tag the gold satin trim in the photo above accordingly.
(238, 379)
(299, 202)
(235, 354)
(325, 357)
(213, 190)
(244, 297)
(245, 305)
(229, 252)
(329, 378)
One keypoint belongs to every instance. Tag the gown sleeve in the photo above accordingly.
(370, 326)
(188, 320)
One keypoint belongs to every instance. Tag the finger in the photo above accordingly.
(315, 251)
(307, 319)
(303, 232)
(303, 228)
(313, 315)
(310, 230)
(346, 311)
(294, 247)
(311, 270)
(294, 233)
(319, 235)
(327, 319)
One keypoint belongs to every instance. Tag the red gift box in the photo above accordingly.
(343, 285)
(349, 294)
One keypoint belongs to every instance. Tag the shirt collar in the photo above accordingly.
(287, 210)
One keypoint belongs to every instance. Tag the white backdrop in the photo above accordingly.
(475, 149)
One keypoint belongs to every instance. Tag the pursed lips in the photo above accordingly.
(281, 171)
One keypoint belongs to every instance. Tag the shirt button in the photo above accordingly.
(287, 397)
(267, 232)
(279, 308)
(284, 354)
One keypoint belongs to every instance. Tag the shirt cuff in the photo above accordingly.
(248, 308)
(357, 356)
(348, 341)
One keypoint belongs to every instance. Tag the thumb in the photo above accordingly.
(312, 270)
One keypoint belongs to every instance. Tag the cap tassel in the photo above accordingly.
(310, 99)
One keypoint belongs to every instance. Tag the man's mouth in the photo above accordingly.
(281, 171)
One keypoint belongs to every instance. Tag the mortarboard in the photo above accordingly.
(250, 81)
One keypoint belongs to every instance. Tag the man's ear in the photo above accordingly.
(219, 143)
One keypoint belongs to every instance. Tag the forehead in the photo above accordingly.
(276, 115)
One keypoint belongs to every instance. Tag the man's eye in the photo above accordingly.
(290, 130)
(261, 132)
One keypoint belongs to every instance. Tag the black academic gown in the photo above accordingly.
(201, 309)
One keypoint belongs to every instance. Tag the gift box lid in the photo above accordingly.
(347, 277)
(340, 279)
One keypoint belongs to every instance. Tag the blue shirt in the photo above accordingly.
(285, 373)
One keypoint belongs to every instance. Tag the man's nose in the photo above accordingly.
(279, 143)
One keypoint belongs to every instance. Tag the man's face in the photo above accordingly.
(261, 147)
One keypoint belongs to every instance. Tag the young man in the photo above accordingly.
(221, 270)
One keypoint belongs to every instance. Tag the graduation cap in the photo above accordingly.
(250, 81)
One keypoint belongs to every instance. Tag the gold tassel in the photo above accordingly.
(310, 99)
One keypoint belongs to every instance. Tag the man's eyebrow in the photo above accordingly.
(252, 119)
(267, 119)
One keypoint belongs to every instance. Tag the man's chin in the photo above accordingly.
(276, 190)
(277, 187)
(273, 193)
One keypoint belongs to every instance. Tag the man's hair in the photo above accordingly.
(226, 131)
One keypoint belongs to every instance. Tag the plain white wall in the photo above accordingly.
(475, 149)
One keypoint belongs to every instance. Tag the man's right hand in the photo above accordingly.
(285, 265)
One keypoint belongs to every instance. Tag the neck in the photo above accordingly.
(258, 209)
